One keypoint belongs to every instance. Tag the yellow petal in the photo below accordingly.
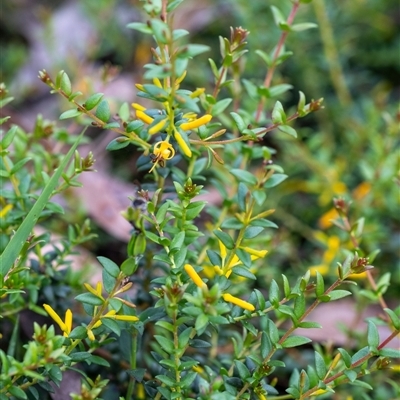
(97, 324)
(157, 82)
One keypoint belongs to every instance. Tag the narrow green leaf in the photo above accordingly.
(244, 272)
(320, 366)
(225, 239)
(338, 294)
(244, 372)
(166, 344)
(372, 335)
(16, 243)
(294, 341)
(93, 100)
(239, 121)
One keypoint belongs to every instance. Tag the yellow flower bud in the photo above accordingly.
(194, 276)
(90, 335)
(187, 126)
(144, 117)
(182, 144)
(157, 127)
(140, 87)
(157, 82)
(239, 302)
(137, 106)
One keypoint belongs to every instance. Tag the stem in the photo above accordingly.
(354, 365)
(131, 385)
(271, 70)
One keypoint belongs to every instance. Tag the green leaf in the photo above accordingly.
(103, 111)
(108, 281)
(345, 357)
(239, 121)
(8, 137)
(241, 196)
(390, 352)
(252, 231)
(70, 114)
(275, 180)
(278, 16)
(244, 176)
(219, 107)
(98, 360)
(14, 246)
(109, 266)
(351, 374)
(166, 344)
(184, 338)
(320, 286)
(266, 345)
(309, 325)
(393, 317)
(225, 239)
(303, 26)
(89, 298)
(277, 90)
(320, 366)
(93, 100)
(244, 272)
(288, 129)
(244, 372)
(372, 335)
(232, 223)
(294, 341)
(194, 209)
(19, 165)
(278, 114)
(338, 294)
(17, 392)
(177, 241)
(140, 26)
(65, 84)
(112, 325)
(274, 293)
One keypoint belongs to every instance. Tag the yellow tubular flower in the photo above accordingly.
(128, 318)
(238, 302)
(140, 87)
(144, 117)
(137, 106)
(187, 126)
(182, 144)
(65, 326)
(96, 292)
(255, 253)
(68, 322)
(194, 276)
(157, 127)
(164, 149)
(6, 210)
